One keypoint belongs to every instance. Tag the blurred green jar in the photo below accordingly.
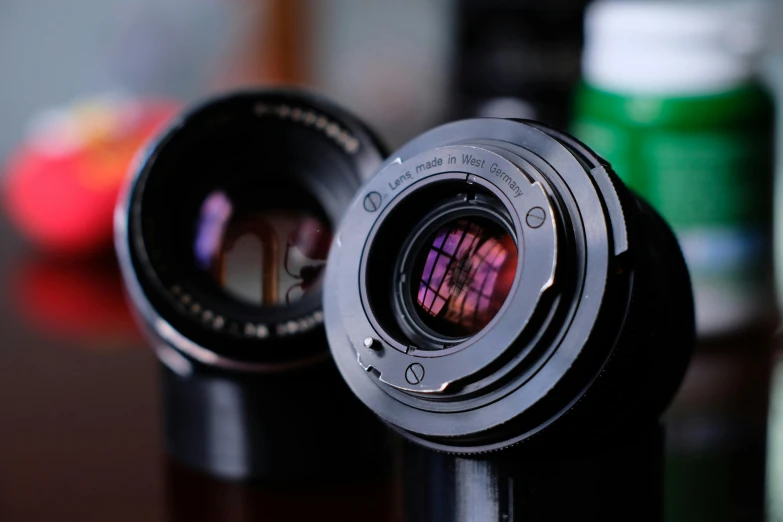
(670, 99)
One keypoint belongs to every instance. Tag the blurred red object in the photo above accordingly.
(76, 301)
(61, 186)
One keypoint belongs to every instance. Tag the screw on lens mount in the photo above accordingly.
(559, 300)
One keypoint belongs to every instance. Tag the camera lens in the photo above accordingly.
(224, 230)
(508, 285)
(222, 235)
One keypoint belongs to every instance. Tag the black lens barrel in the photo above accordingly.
(596, 330)
(248, 389)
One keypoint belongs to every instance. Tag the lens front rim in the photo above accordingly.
(267, 349)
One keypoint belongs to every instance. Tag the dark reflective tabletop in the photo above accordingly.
(81, 428)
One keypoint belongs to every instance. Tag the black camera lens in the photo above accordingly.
(224, 231)
(223, 235)
(495, 280)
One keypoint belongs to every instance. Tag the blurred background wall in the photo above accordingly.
(53, 52)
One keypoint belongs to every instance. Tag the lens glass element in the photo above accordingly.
(463, 275)
(265, 258)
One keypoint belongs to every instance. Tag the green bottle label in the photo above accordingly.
(705, 164)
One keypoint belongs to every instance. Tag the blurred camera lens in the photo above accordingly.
(508, 284)
(225, 228)
(223, 235)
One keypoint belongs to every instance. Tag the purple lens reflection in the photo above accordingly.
(267, 258)
(466, 276)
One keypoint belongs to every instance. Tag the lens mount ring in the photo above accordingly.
(443, 367)
(567, 186)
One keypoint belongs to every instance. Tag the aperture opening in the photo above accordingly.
(442, 265)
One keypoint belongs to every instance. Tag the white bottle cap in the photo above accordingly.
(671, 48)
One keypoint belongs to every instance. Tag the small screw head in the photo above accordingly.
(536, 217)
(415, 373)
(368, 342)
(372, 201)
